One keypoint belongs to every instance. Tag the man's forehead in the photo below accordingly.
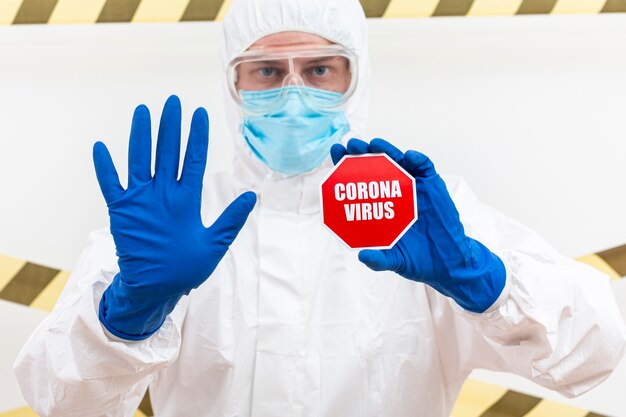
(289, 41)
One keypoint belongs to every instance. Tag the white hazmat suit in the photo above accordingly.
(292, 324)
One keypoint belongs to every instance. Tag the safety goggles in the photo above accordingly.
(317, 73)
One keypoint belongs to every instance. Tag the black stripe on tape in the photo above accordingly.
(375, 8)
(512, 404)
(614, 6)
(616, 258)
(201, 10)
(118, 11)
(146, 405)
(453, 7)
(35, 11)
(536, 6)
(28, 283)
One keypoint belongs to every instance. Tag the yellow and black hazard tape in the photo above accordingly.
(39, 287)
(481, 399)
(107, 11)
(30, 284)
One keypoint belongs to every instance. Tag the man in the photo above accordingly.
(264, 313)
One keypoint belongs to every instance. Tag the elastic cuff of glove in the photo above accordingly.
(504, 295)
(117, 333)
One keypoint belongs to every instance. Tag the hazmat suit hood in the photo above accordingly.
(339, 21)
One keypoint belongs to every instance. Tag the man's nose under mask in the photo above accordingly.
(295, 138)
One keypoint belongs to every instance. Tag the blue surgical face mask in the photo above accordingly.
(294, 138)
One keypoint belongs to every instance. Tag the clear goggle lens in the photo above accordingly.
(312, 72)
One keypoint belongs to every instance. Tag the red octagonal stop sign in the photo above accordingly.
(368, 201)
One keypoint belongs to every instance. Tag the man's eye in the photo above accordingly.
(267, 72)
(320, 71)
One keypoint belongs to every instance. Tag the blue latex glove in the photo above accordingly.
(435, 250)
(163, 248)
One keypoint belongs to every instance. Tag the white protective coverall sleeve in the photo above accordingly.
(556, 322)
(70, 366)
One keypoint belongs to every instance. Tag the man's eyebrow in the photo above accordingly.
(267, 62)
(320, 59)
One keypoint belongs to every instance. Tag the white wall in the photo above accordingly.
(529, 109)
